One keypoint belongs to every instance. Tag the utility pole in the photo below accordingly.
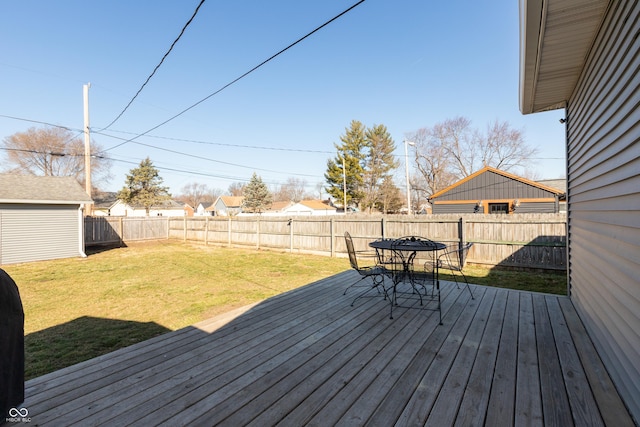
(344, 185)
(87, 147)
(406, 168)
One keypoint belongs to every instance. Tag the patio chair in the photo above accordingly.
(374, 272)
(453, 259)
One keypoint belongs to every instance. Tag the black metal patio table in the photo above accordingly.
(398, 256)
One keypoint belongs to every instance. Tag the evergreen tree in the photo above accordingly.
(379, 164)
(352, 154)
(257, 197)
(143, 187)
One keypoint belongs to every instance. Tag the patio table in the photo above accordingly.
(400, 265)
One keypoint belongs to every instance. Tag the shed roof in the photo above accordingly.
(499, 172)
(34, 189)
(556, 37)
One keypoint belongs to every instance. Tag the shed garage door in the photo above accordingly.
(30, 233)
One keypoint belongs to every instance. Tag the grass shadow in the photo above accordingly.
(546, 281)
(96, 249)
(82, 339)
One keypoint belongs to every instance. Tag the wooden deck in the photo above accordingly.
(307, 358)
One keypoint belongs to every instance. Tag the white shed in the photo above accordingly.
(41, 217)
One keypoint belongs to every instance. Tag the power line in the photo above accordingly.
(207, 158)
(157, 66)
(99, 156)
(192, 172)
(162, 168)
(222, 144)
(242, 76)
(41, 123)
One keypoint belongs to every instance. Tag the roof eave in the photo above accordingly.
(555, 40)
(45, 202)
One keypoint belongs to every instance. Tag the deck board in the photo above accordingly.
(528, 402)
(307, 357)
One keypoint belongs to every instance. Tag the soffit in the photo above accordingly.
(555, 40)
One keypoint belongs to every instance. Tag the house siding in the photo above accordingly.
(603, 183)
(490, 185)
(446, 208)
(537, 207)
(33, 233)
(495, 187)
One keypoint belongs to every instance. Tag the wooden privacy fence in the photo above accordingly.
(117, 230)
(525, 240)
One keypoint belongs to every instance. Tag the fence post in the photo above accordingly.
(184, 231)
(206, 230)
(290, 224)
(229, 233)
(461, 240)
(382, 224)
(121, 229)
(258, 232)
(332, 232)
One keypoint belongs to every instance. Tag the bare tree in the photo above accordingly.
(318, 190)
(452, 150)
(53, 151)
(505, 147)
(194, 193)
(236, 189)
(292, 190)
(432, 161)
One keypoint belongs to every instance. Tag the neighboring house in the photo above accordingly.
(310, 207)
(228, 205)
(276, 209)
(491, 190)
(188, 209)
(203, 209)
(41, 217)
(102, 203)
(583, 56)
(559, 184)
(166, 208)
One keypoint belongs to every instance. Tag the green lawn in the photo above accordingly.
(76, 309)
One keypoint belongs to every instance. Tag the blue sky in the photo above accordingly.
(406, 64)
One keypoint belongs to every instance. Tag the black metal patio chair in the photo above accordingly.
(453, 259)
(374, 272)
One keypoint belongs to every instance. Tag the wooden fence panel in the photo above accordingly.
(143, 228)
(524, 240)
(102, 231)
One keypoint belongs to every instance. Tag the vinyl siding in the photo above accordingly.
(36, 232)
(536, 207)
(603, 153)
(490, 185)
(453, 208)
